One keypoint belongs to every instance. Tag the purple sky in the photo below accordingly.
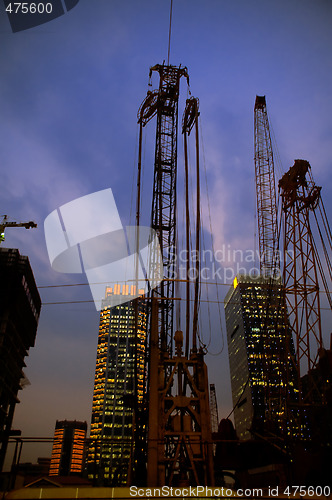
(69, 95)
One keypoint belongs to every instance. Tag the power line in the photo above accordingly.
(166, 279)
(160, 298)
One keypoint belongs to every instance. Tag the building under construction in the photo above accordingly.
(19, 315)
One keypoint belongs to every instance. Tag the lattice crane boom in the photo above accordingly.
(164, 103)
(179, 434)
(276, 396)
(266, 192)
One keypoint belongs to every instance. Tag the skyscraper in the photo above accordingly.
(19, 314)
(119, 380)
(68, 448)
(261, 357)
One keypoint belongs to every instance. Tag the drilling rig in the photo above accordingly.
(179, 447)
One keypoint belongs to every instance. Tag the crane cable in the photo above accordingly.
(212, 247)
(239, 399)
(169, 32)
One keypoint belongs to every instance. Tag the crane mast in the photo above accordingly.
(163, 212)
(164, 104)
(266, 192)
(179, 449)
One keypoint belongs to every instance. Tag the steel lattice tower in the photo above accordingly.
(266, 192)
(179, 433)
(163, 213)
(300, 196)
(277, 337)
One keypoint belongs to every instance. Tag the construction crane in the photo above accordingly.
(164, 103)
(266, 192)
(179, 432)
(301, 199)
(5, 223)
(302, 231)
(276, 363)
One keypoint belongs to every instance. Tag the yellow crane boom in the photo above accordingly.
(5, 223)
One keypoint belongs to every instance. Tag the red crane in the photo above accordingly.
(300, 200)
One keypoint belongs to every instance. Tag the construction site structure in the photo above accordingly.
(275, 336)
(5, 223)
(179, 450)
(307, 240)
(19, 316)
(265, 193)
(164, 103)
(300, 197)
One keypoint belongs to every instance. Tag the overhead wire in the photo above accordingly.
(319, 263)
(198, 232)
(328, 234)
(276, 154)
(133, 181)
(169, 32)
(240, 397)
(214, 283)
(178, 314)
(211, 235)
(91, 301)
(326, 222)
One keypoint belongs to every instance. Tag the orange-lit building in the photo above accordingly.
(68, 448)
(118, 387)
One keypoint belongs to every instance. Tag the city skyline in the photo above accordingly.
(70, 92)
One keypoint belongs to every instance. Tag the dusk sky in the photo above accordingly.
(69, 95)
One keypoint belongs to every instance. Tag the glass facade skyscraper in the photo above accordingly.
(261, 357)
(119, 380)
